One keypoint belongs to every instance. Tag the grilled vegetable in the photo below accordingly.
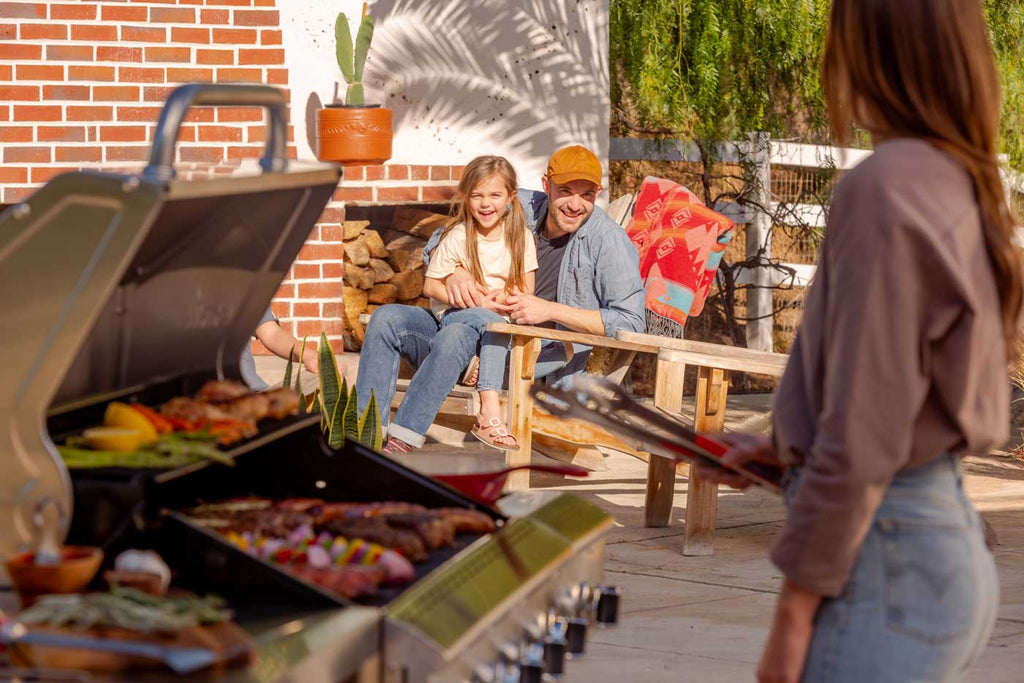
(117, 439)
(123, 415)
(167, 452)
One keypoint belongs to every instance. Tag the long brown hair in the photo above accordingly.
(924, 69)
(477, 171)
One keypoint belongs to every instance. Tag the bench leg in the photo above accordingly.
(522, 363)
(661, 472)
(702, 495)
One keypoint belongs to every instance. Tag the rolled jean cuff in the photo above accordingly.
(408, 436)
(480, 387)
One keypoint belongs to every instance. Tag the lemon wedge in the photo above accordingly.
(123, 415)
(114, 439)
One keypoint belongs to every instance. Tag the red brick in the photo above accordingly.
(28, 112)
(69, 53)
(6, 72)
(264, 3)
(8, 31)
(235, 153)
(185, 133)
(440, 173)
(256, 17)
(215, 56)
(44, 32)
(19, 92)
(313, 328)
(234, 3)
(207, 154)
(219, 134)
(15, 134)
(305, 271)
(120, 53)
(144, 34)
(277, 77)
(140, 74)
(419, 172)
(116, 13)
(239, 76)
(190, 35)
(438, 194)
(353, 194)
(332, 215)
(77, 11)
(26, 155)
(18, 52)
(397, 172)
(306, 309)
(183, 75)
(90, 73)
(40, 72)
(457, 172)
(94, 33)
(168, 54)
(174, 15)
(332, 233)
(319, 290)
(148, 114)
(127, 153)
(321, 252)
(355, 173)
(22, 10)
(285, 292)
(200, 115)
(78, 154)
(261, 57)
(91, 113)
(41, 174)
(13, 195)
(214, 16)
(234, 36)
(13, 174)
(269, 36)
(156, 94)
(5, 112)
(117, 93)
(398, 194)
(373, 172)
(332, 270)
(60, 134)
(235, 114)
(123, 133)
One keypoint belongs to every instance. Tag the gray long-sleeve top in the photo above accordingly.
(900, 355)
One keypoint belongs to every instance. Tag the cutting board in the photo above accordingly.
(229, 642)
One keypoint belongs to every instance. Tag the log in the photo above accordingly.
(399, 260)
(382, 294)
(399, 240)
(359, 277)
(382, 272)
(356, 251)
(418, 222)
(409, 284)
(375, 244)
(353, 229)
(354, 302)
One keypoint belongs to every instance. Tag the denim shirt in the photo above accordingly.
(600, 271)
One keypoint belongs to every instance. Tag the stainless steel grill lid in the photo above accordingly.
(111, 281)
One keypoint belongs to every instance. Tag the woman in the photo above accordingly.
(900, 364)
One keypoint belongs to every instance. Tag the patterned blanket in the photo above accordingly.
(681, 243)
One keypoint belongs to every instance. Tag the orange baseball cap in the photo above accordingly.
(574, 163)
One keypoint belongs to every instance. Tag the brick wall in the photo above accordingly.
(82, 83)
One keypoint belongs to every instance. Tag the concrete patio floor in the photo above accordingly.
(706, 618)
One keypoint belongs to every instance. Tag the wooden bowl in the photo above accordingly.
(76, 569)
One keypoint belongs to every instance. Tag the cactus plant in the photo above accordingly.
(352, 58)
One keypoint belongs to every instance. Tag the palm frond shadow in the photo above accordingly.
(533, 74)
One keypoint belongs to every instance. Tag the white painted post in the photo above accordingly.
(759, 296)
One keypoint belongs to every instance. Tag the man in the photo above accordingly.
(588, 280)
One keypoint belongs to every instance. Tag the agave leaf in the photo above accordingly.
(354, 94)
(338, 432)
(352, 416)
(370, 432)
(298, 379)
(363, 38)
(288, 371)
(313, 405)
(330, 382)
(343, 47)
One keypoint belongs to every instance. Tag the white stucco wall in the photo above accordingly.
(519, 78)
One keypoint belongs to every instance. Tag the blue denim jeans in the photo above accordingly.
(440, 352)
(923, 595)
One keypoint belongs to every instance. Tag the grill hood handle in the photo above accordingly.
(161, 158)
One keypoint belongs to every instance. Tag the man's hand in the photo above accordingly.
(463, 290)
(527, 309)
(311, 360)
(497, 300)
(785, 652)
(744, 448)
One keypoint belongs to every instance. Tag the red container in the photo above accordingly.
(487, 486)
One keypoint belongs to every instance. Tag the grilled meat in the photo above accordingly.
(222, 391)
(466, 520)
(348, 581)
(264, 522)
(433, 530)
(283, 402)
(378, 531)
(250, 408)
(192, 410)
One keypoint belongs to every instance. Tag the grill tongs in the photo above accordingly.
(605, 404)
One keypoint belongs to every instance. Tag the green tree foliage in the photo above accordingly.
(718, 69)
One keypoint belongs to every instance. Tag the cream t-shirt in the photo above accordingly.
(495, 259)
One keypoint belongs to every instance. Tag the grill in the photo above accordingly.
(143, 287)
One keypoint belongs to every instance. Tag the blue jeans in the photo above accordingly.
(923, 595)
(439, 350)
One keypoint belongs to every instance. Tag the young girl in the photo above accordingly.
(899, 368)
(488, 236)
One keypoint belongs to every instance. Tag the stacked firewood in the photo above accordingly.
(384, 268)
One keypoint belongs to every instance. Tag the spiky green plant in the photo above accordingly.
(352, 59)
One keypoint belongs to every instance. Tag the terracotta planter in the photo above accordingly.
(353, 135)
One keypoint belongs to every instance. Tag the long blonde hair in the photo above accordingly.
(925, 69)
(477, 171)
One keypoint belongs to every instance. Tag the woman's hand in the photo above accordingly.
(785, 652)
(496, 300)
(463, 290)
(744, 448)
(311, 360)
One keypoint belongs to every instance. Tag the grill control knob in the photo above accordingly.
(608, 605)
(576, 636)
(531, 672)
(555, 647)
